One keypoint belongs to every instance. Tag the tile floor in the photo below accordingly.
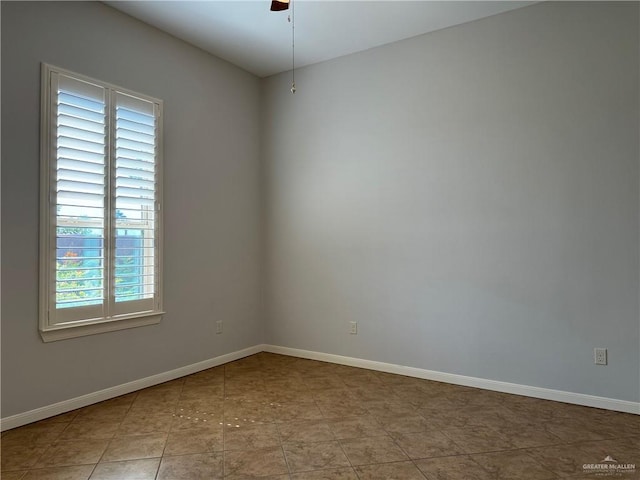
(277, 417)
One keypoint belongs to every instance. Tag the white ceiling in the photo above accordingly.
(247, 34)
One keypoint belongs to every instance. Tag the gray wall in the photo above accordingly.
(469, 196)
(211, 190)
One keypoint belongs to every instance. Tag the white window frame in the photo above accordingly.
(50, 330)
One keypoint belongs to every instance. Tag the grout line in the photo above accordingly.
(418, 468)
(224, 420)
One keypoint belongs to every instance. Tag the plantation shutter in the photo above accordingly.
(79, 198)
(136, 178)
(100, 247)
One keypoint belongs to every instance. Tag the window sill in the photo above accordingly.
(63, 332)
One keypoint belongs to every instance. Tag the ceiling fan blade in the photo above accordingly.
(279, 5)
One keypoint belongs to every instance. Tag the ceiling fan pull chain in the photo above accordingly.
(293, 47)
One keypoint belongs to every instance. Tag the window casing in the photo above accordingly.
(101, 222)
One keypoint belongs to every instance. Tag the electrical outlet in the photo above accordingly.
(353, 328)
(219, 326)
(600, 356)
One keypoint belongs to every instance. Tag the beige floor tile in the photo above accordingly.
(324, 383)
(356, 427)
(564, 460)
(486, 398)
(412, 423)
(102, 412)
(362, 379)
(459, 418)
(76, 452)
(139, 423)
(90, 430)
(62, 418)
(390, 471)
(211, 407)
(375, 393)
(418, 398)
(135, 447)
(446, 402)
(280, 395)
(245, 377)
(156, 409)
(478, 439)
(399, 380)
(626, 423)
(205, 379)
(303, 457)
(384, 408)
(513, 465)
(335, 396)
(290, 384)
(257, 477)
(335, 408)
(265, 461)
(200, 466)
(498, 417)
(203, 392)
(249, 366)
(161, 399)
(295, 411)
(195, 421)
(624, 450)
(35, 434)
(617, 427)
(427, 444)
(247, 413)
(243, 384)
(242, 375)
(365, 451)
(529, 435)
(311, 431)
(77, 472)
(251, 437)
(20, 457)
(542, 410)
(13, 475)
(154, 405)
(460, 467)
(249, 396)
(190, 441)
(145, 469)
(332, 474)
(571, 429)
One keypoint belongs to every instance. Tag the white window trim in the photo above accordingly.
(53, 332)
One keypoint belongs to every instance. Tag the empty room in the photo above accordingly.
(304, 240)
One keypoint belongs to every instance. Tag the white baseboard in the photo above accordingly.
(505, 387)
(112, 392)
(498, 386)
